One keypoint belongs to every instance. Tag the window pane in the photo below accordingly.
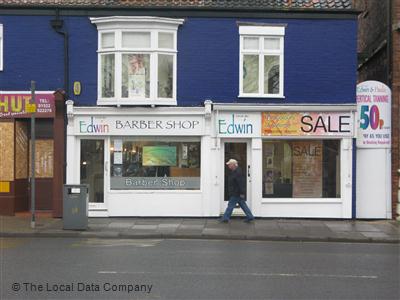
(165, 75)
(271, 74)
(107, 40)
(136, 39)
(271, 44)
(250, 43)
(107, 75)
(165, 40)
(250, 73)
(136, 75)
(155, 165)
(301, 169)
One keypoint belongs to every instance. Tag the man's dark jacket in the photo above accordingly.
(236, 183)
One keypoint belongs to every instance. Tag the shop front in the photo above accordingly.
(140, 161)
(298, 161)
(16, 109)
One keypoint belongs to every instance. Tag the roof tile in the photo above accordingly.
(216, 4)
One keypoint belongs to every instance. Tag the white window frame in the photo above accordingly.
(152, 25)
(262, 32)
(1, 47)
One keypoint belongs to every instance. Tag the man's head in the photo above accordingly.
(232, 164)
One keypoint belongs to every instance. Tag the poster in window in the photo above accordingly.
(307, 169)
(136, 76)
(269, 182)
(118, 158)
(117, 145)
(159, 156)
(269, 155)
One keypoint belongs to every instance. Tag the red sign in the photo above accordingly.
(19, 105)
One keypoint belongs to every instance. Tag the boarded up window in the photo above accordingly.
(6, 151)
(21, 150)
(44, 156)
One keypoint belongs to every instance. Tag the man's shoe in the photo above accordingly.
(223, 221)
(249, 220)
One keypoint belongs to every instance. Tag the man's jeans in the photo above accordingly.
(233, 200)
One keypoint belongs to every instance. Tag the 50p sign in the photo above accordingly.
(374, 113)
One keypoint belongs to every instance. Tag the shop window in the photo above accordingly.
(137, 60)
(261, 61)
(155, 165)
(301, 169)
(1, 47)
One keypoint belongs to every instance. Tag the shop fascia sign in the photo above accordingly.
(19, 104)
(374, 115)
(139, 125)
(308, 124)
(234, 124)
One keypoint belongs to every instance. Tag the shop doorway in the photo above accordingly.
(238, 151)
(92, 169)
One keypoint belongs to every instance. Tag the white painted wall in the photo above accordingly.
(160, 203)
(373, 184)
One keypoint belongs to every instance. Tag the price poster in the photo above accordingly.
(374, 115)
(307, 169)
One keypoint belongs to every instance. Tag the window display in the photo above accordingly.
(155, 165)
(301, 169)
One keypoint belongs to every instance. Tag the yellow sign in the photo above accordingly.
(4, 186)
(30, 108)
(77, 88)
(281, 123)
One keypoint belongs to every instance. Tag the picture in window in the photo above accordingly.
(159, 156)
(136, 76)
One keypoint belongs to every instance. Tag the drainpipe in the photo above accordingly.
(389, 45)
(398, 197)
(57, 25)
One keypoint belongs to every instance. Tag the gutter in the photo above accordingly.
(182, 11)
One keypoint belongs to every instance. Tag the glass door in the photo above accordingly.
(92, 169)
(239, 151)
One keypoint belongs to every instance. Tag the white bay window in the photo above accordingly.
(137, 60)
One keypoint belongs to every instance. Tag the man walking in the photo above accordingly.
(236, 192)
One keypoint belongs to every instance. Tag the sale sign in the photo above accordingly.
(374, 114)
(307, 124)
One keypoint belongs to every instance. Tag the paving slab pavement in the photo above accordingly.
(373, 231)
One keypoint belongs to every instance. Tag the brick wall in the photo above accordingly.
(372, 40)
(373, 43)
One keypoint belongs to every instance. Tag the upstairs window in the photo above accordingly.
(1, 47)
(261, 61)
(137, 60)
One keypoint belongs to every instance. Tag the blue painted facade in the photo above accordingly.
(320, 58)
